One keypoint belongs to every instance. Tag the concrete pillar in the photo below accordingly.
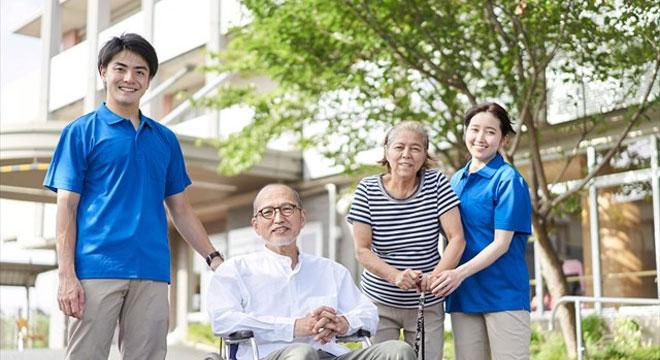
(204, 280)
(51, 35)
(655, 188)
(594, 230)
(148, 11)
(221, 243)
(183, 291)
(154, 108)
(538, 276)
(57, 324)
(173, 283)
(217, 42)
(38, 225)
(98, 19)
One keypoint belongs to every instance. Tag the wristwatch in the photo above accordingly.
(213, 255)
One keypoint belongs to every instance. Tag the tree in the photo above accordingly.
(344, 69)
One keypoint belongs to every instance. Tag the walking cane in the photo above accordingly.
(419, 336)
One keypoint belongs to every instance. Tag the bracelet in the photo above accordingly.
(213, 255)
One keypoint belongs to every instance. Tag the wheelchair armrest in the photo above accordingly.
(238, 336)
(356, 336)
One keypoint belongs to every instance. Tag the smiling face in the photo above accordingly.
(483, 137)
(280, 230)
(126, 78)
(406, 153)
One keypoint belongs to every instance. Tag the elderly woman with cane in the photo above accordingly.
(397, 219)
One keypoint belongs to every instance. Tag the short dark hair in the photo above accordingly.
(496, 110)
(133, 43)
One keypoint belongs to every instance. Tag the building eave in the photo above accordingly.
(26, 149)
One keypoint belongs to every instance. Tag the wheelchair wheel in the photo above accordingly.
(212, 356)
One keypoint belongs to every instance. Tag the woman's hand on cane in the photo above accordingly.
(408, 279)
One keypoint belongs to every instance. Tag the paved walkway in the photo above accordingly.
(174, 352)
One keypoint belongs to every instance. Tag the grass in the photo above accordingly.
(201, 333)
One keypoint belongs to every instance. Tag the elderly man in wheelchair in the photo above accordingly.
(294, 305)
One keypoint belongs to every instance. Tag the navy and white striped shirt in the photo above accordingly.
(405, 232)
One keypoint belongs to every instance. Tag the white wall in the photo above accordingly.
(179, 26)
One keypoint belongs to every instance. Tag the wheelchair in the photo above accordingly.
(229, 344)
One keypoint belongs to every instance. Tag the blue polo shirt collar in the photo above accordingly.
(487, 171)
(111, 118)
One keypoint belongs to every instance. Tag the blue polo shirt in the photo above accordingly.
(122, 175)
(495, 197)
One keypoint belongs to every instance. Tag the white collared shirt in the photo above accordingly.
(260, 292)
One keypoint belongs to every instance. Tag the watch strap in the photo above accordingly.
(211, 256)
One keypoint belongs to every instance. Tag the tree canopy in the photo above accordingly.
(347, 67)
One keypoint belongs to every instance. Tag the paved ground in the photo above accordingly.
(174, 352)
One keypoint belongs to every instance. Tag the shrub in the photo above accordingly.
(202, 333)
(593, 329)
(626, 344)
(547, 346)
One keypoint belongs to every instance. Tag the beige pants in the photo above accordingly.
(389, 350)
(392, 320)
(140, 307)
(498, 335)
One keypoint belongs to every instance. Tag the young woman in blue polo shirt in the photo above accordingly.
(489, 301)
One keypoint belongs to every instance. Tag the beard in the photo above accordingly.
(282, 242)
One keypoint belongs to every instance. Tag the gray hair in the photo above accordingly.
(415, 127)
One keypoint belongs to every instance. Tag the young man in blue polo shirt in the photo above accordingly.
(112, 170)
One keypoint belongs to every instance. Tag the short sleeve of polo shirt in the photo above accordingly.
(177, 177)
(513, 208)
(69, 164)
(360, 207)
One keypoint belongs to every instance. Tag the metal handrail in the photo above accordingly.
(578, 300)
(173, 117)
(609, 276)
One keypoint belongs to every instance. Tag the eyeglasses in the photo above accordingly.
(269, 211)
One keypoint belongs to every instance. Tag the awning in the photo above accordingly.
(22, 274)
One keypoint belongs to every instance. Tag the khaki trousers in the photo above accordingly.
(392, 320)
(389, 350)
(140, 307)
(497, 335)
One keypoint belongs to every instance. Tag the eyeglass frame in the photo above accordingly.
(277, 209)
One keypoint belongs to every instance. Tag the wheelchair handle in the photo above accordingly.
(240, 335)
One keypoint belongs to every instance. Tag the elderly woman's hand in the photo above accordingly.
(408, 279)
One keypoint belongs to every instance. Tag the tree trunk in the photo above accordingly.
(557, 285)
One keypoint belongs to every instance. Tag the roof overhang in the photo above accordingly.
(22, 274)
(26, 150)
(558, 139)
